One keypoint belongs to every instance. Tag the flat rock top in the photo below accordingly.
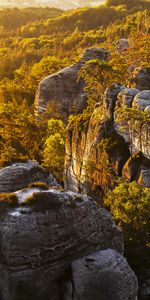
(19, 175)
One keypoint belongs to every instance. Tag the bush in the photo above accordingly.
(130, 205)
(39, 184)
(8, 200)
(43, 201)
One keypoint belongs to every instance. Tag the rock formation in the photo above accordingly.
(61, 245)
(88, 169)
(141, 133)
(141, 78)
(95, 270)
(63, 88)
(19, 175)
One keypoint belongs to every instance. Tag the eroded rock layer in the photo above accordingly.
(20, 175)
(40, 239)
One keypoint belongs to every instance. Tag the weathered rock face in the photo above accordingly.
(63, 89)
(142, 78)
(142, 100)
(137, 169)
(139, 136)
(126, 96)
(40, 241)
(96, 270)
(111, 98)
(122, 45)
(87, 168)
(19, 175)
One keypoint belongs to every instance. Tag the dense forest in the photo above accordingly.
(37, 42)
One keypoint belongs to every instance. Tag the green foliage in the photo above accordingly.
(8, 200)
(42, 201)
(130, 206)
(54, 148)
(13, 18)
(129, 4)
(18, 133)
(39, 184)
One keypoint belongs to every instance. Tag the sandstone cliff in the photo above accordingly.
(90, 169)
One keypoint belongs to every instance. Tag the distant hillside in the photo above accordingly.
(12, 18)
(65, 4)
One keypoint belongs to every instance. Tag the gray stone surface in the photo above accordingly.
(137, 135)
(110, 98)
(142, 100)
(142, 78)
(38, 244)
(64, 89)
(126, 96)
(19, 175)
(101, 276)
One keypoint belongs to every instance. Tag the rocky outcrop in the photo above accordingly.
(138, 135)
(98, 153)
(142, 100)
(110, 99)
(126, 96)
(63, 88)
(42, 241)
(89, 168)
(20, 175)
(92, 273)
(141, 78)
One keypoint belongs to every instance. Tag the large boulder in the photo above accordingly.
(19, 175)
(126, 96)
(141, 78)
(122, 45)
(142, 100)
(63, 88)
(102, 275)
(42, 236)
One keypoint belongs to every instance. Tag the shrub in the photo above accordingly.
(39, 184)
(8, 200)
(43, 201)
(130, 205)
